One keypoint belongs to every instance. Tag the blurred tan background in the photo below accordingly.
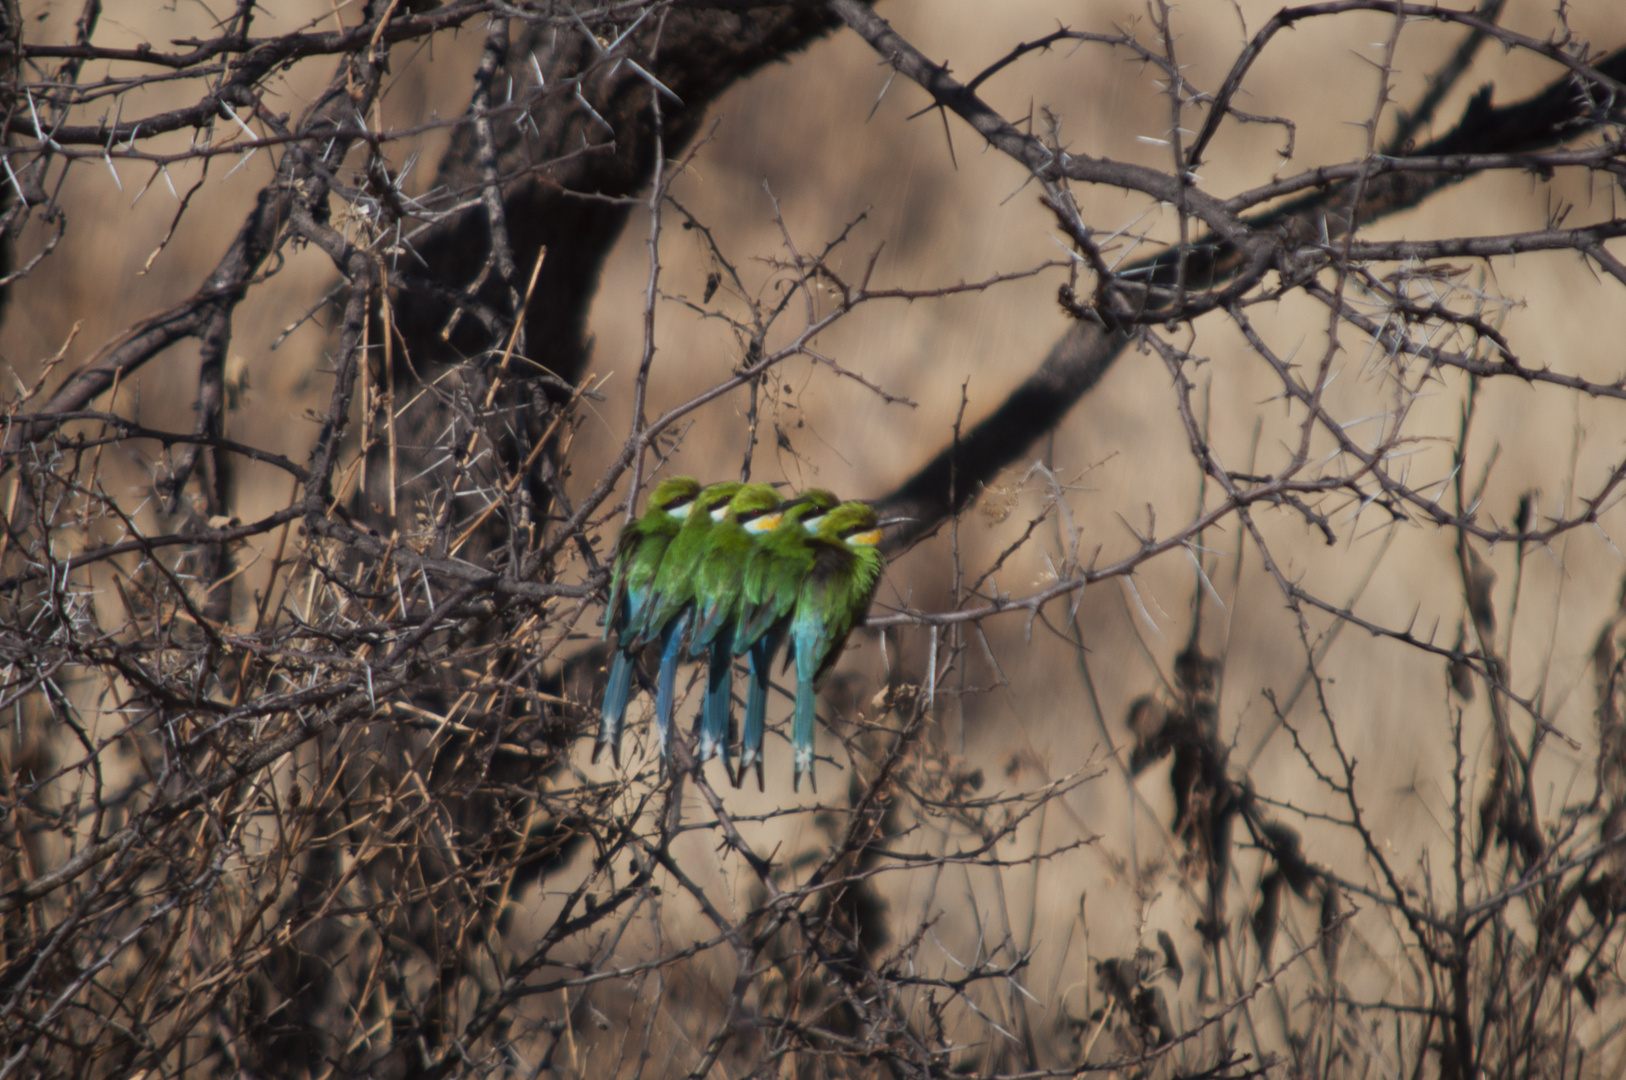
(802, 131)
(798, 133)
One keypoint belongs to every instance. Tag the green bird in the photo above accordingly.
(638, 552)
(753, 511)
(666, 614)
(835, 593)
(768, 590)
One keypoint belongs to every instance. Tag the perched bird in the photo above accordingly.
(638, 552)
(754, 510)
(666, 613)
(768, 590)
(835, 593)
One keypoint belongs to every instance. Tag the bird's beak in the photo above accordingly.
(886, 523)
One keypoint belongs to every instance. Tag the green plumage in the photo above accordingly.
(673, 589)
(730, 547)
(641, 545)
(665, 616)
(774, 573)
(638, 553)
(835, 593)
(769, 586)
(729, 570)
(730, 544)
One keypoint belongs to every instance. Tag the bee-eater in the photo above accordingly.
(753, 511)
(768, 589)
(847, 567)
(666, 613)
(638, 552)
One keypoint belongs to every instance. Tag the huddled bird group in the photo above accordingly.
(734, 570)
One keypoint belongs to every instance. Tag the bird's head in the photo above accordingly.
(675, 495)
(713, 499)
(853, 522)
(756, 506)
(810, 507)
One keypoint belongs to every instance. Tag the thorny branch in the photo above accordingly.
(290, 785)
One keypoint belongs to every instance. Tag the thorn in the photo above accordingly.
(881, 95)
(14, 183)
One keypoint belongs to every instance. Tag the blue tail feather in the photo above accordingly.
(808, 645)
(708, 625)
(666, 683)
(614, 712)
(756, 706)
(802, 734)
(719, 699)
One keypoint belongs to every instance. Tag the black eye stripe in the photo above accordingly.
(745, 516)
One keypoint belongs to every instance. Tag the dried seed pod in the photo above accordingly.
(1171, 956)
(1268, 915)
